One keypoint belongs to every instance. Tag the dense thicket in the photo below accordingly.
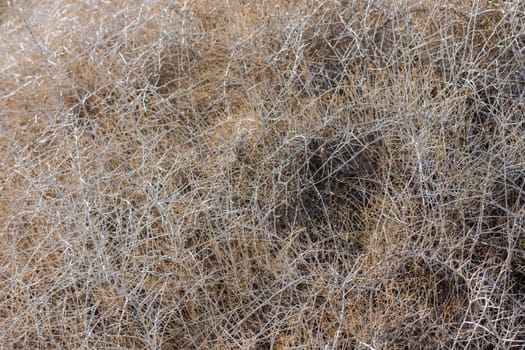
(262, 174)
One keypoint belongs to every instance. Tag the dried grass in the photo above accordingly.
(262, 175)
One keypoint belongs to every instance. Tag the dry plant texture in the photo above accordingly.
(262, 174)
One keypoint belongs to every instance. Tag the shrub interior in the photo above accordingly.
(262, 175)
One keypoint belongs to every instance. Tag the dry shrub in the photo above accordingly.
(262, 175)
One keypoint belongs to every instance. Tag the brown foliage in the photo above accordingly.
(262, 175)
